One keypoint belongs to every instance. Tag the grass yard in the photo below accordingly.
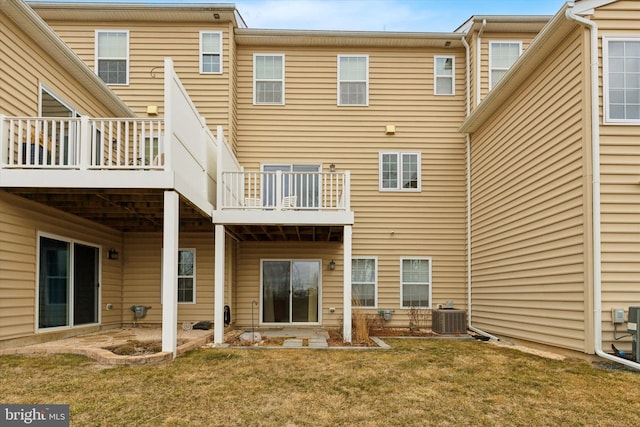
(419, 382)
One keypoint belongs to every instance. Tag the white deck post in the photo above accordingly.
(83, 142)
(218, 303)
(170, 272)
(346, 333)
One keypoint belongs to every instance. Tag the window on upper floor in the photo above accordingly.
(415, 280)
(364, 278)
(268, 79)
(444, 75)
(353, 80)
(621, 79)
(112, 56)
(210, 52)
(502, 55)
(399, 171)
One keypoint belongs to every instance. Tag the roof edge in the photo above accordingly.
(245, 36)
(538, 48)
(32, 24)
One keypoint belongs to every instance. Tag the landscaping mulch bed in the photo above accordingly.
(138, 348)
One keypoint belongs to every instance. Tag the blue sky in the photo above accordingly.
(373, 15)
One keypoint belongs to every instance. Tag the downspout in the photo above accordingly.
(478, 61)
(595, 166)
(468, 148)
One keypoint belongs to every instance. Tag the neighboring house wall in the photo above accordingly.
(142, 276)
(620, 188)
(486, 39)
(149, 44)
(311, 129)
(530, 215)
(20, 222)
(24, 66)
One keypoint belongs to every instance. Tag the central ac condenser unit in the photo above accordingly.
(449, 321)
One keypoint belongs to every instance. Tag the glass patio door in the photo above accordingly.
(305, 187)
(68, 287)
(290, 291)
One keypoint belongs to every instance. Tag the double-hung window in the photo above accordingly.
(502, 55)
(187, 276)
(622, 79)
(415, 278)
(353, 80)
(444, 75)
(400, 171)
(112, 56)
(268, 79)
(210, 52)
(364, 278)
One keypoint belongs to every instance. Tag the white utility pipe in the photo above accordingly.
(468, 145)
(595, 154)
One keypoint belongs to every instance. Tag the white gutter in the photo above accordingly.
(468, 145)
(478, 61)
(595, 154)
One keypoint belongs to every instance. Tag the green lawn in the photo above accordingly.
(419, 382)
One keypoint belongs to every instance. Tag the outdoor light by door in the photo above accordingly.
(332, 265)
(112, 254)
(332, 168)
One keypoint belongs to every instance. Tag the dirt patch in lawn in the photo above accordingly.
(138, 348)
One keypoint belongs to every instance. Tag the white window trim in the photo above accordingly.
(491, 43)
(430, 284)
(398, 187)
(202, 52)
(281, 55)
(366, 81)
(375, 281)
(193, 250)
(70, 313)
(606, 119)
(96, 58)
(436, 76)
(62, 101)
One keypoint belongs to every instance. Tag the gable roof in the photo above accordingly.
(545, 42)
(29, 21)
(585, 7)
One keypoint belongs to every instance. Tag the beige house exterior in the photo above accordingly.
(493, 167)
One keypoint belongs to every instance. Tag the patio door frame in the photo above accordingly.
(291, 286)
(70, 283)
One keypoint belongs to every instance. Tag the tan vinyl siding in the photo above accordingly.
(620, 195)
(24, 66)
(250, 255)
(486, 39)
(310, 128)
(528, 207)
(20, 223)
(142, 278)
(149, 44)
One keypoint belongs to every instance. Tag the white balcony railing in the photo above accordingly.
(81, 143)
(285, 190)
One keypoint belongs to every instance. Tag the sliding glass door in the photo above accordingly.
(290, 291)
(68, 283)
